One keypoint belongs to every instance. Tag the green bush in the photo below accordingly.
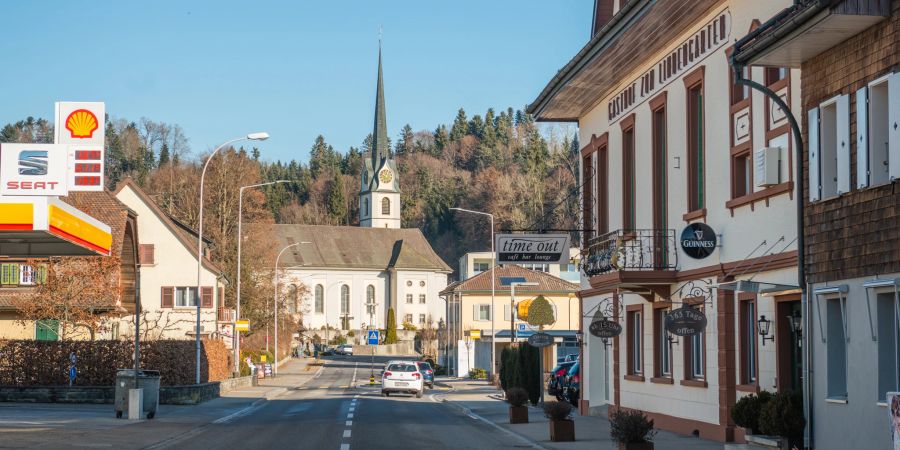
(504, 369)
(558, 410)
(390, 336)
(529, 375)
(351, 333)
(516, 396)
(478, 374)
(783, 416)
(747, 410)
(631, 427)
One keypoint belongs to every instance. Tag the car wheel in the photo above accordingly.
(419, 394)
(384, 393)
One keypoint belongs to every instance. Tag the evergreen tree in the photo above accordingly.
(254, 153)
(405, 144)
(390, 334)
(350, 164)
(319, 157)
(460, 126)
(476, 126)
(337, 203)
(164, 154)
(441, 139)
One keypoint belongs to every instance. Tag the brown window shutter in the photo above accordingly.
(146, 252)
(168, 297)
(206, 297)
(221, 292)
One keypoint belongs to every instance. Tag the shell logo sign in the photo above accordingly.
(81, 124)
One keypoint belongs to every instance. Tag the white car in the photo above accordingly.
(402, 376)
(345, 349)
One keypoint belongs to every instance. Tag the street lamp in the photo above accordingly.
(512, 306)
(237, 314)
(764, 326)
(493, 282)
(275, 301)
(252, 137)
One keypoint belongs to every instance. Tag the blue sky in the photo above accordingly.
(294, 69)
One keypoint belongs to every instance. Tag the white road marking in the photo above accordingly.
(346, 433)
(348, 423)
(349, 415)
(352, 409)
(345, 446)
(356, 396)
(241, 413)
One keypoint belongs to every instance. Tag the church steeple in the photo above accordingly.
(380, 148)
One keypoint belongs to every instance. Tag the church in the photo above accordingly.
(355, 275)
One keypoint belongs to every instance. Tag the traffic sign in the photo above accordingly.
(522, 327)
(372, 337)
(242, 325)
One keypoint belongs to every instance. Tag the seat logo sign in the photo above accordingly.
(33, 162)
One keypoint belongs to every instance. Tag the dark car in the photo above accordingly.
(554, 386)
(571, 386)
(427, 373)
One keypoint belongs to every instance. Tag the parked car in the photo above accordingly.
(402, 376)
(345, 349)
(557, 377)
(571, 390)
(427, 373)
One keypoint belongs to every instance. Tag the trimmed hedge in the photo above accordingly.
(46, 363)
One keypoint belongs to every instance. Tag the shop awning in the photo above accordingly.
(45, 226)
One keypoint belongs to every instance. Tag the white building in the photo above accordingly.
(168, 276)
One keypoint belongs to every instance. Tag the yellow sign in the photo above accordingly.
(242, 325)
(262, 358)
(475, 334)
(522, 309)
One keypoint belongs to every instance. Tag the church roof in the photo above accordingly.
(357, 248)
(380, 149)
(482, 282)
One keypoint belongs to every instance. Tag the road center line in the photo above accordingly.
(352, 408)
(348, 423)
(349, 415)
(346, 433)
(345, 446)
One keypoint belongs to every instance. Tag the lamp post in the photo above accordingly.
(275, 300)
(236, 343)
(512, 306)
(252, 137)
(493, 282)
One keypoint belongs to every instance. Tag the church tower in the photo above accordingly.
(379, 196)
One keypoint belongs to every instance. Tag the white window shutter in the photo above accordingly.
(476, 314)
(815, 169)
(894, 126)
(862, 138)
(843, 144)
(506, 313)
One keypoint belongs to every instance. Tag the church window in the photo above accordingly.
(386, 206)
(345, 299)
(422, 298)
(370, 299)
(366, 207)
(320, 299)
(409, 298)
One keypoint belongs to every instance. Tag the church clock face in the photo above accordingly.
(385, 176)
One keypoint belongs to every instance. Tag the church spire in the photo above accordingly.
(380, 149)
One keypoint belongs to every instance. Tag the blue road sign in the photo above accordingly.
(522, 327)
(508, 281)
(372, 337)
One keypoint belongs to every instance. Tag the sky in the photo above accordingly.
(295, 69)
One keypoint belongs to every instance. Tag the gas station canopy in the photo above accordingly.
(46, 226)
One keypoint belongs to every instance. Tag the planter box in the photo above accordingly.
(758, 441)
(562, 430)
(636, 446)
(518, 414)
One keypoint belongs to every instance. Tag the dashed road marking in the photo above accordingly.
(352, 408)
(345, 446)
(349, 415)
(346, 433)
(348, 423)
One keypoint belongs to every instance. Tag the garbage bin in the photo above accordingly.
(148, 380)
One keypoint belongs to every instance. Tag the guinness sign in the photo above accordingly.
(605, 328)
(698, 240)
(685, 321)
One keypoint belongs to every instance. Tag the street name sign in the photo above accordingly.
(540, 340)
(532, 248)
(372, 337)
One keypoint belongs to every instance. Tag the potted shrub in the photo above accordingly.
(518, 412)
(562, 427)
(782, 416)
(632, 430)
(746, 411)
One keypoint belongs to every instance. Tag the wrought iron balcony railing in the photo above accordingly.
(226, 315)
(623, 250)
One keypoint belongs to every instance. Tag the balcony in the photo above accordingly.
(642, 261)
(225, 315)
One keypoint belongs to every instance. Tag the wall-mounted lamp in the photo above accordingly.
(671, 338)
(579, 336)
(605, 341)
(764, 325)
(796, 322)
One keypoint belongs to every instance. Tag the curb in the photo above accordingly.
(468, 412)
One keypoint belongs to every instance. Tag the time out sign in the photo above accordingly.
(532, 248)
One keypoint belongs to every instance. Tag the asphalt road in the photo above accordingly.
(335, 412)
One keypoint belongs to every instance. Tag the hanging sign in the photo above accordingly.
(685, 321)
(532, 248)
(33, 169)
(540, 340)
(242, 325)
(605, 328)
(698, 240)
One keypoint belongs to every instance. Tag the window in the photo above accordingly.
(422, 298)
(370, 299)
(587, 190)
(320, 299)
(747, 330)
(292, 299)
(29, 275)
(146, 254)
(408, 318)
(603, 187)
(538, 267)
(409, 299)
(9, 274)
(481, 267)
(740, 92)
(829, 148)
(628, 183)
(660, 181)
(635, 333)
(186, 296)
(743, 175)
(695, 142)
(365, 207)
(46, 330)
(386, 206)
(775, 74)
(663, 347)
(695, 356)
(345, 299)
(482, 312)
(888, 345)
(422, 319)
(836, 345)
(874, 143)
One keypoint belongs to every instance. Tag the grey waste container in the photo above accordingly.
(148, 380)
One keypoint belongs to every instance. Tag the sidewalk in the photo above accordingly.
(475, 398)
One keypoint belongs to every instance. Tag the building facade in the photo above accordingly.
(688, 201)
(473, 263)
(850, 63)
(168, 281)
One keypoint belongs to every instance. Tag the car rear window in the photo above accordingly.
(424, 366)
(402, 368)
